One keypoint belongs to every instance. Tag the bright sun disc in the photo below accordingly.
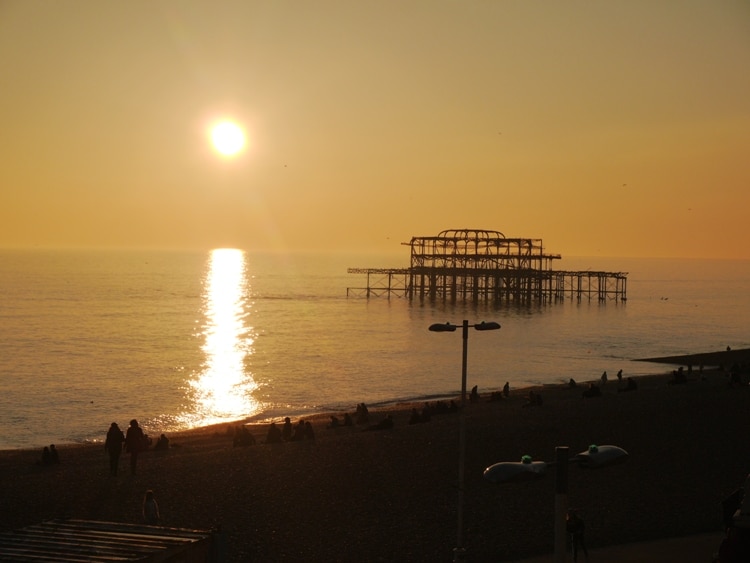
(228, 138)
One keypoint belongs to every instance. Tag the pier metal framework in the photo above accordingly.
(481, 265)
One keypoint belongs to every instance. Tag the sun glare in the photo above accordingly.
(223, 390)
(228, 138)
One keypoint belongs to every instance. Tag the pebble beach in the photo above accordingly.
(391, 495)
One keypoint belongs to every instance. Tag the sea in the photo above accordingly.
(181, 339)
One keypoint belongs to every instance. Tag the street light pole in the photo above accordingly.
(459, 552)
(561, 502)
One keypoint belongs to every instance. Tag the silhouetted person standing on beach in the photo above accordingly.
(113, 446)
(576, 529)
(474, 396)
(134, 442)
(286, 430)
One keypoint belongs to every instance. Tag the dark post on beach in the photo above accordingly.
(561, 501)
(460, 551)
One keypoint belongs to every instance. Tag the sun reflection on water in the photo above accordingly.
(222, 390)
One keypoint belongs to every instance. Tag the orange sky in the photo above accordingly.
(606, 129)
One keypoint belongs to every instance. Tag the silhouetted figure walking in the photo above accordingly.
(134, 443)
(113, 446)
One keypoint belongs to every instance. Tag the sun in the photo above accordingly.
(228, 138)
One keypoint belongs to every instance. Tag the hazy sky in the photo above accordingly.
(604, 128)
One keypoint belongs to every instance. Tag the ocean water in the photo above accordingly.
(181, 339)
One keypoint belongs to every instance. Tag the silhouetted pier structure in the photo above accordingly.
(479, 265)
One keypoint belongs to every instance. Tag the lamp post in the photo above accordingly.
(593, 457)
(459, 552)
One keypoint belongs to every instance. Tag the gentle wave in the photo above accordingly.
(87, 338)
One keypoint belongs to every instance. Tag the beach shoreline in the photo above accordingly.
(321, 418)
(391, 494)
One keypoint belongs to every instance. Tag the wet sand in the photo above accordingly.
(391, 495)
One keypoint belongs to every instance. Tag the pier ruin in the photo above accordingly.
(480, 265)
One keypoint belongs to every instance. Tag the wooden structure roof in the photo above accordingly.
(67, 541)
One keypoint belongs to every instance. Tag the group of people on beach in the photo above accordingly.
(533, 399)
(594, 390)
(50, 456)
(361, 416)
(242, 436)
(500, 395)
(734, 374)
(302, 431)
(336, 422)
(133, 441)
